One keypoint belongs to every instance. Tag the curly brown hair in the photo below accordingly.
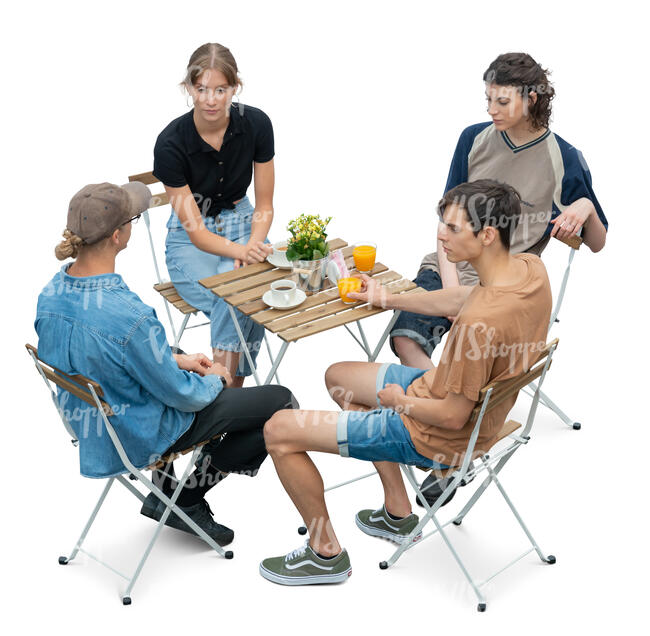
(521, 70)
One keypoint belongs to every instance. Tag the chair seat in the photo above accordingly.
(508, 428)
(170, 457)
(169, 293)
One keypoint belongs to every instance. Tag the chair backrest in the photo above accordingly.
(501, 391)
(76, 384)
(148, 179)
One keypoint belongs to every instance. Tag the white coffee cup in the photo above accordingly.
(280, 248)
(282, 291)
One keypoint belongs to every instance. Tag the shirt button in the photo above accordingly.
(220, 180)
(219, 194)
(221, 163)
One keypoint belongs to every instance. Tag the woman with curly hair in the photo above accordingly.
(518, 148)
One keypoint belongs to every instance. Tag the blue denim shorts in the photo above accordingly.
(380, 435)
(427, 331)
(187, 264)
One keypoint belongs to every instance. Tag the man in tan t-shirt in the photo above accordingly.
(423, 416)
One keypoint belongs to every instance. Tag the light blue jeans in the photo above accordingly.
(187, 264)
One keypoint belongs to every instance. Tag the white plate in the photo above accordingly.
(280, 261)
(299, 297)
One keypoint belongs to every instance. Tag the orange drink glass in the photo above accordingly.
(364, 255)
(346, 286)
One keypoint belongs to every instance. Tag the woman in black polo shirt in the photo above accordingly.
(206, 160)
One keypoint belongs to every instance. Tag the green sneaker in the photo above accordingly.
(377, 523)
(304, 567)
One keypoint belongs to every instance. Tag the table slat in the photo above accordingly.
(236, 300)
(344, 317)
(250, 270)
(323, 310)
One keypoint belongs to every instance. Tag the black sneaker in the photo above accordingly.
(432, 490)
(200, 513)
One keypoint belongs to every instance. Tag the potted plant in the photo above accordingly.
(308, 250)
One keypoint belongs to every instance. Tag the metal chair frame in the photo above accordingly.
(91, 392)
(493, 464)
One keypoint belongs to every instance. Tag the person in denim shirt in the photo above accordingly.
(89, 322)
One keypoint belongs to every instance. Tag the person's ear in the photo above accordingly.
(489, 236)
(115, 236)
(532, 98)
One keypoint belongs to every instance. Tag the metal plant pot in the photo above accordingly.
(311, 274)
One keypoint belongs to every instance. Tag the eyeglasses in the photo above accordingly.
(203, 92)
(133, 220)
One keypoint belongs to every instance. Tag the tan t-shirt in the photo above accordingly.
(497, 335)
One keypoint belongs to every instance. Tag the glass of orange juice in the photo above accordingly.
(364, 255)
(346, 286)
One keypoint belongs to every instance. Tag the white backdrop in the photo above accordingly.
(367, 101)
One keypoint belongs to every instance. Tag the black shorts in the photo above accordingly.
(241, 415)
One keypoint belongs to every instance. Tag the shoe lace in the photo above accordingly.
(206, 507)
(297, 552)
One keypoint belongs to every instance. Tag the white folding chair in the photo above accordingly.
(491, 462)
(91, 393)
(574, 243)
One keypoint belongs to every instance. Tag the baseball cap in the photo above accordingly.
(99, 209)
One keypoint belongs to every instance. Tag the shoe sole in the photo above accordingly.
(399, 539)
(316, 579)
(152, 513)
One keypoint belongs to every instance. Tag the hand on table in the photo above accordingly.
(253, 252)
(196, 362)
(389, 397)
(371, 292)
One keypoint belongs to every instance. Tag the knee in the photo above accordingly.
(275, 432)
(283, 398)
(333, 377)
(405, 348)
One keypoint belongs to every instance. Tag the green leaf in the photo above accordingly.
(317, 255)
(292, 254)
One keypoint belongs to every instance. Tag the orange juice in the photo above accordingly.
(364, 257)
(347, 285)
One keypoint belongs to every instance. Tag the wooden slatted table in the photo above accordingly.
(243, 289)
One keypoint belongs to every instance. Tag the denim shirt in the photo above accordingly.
(99, 328)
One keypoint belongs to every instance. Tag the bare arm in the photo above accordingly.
(185, 206)
(581, 214)
(264, 182)
(452, 412)
(442, 302)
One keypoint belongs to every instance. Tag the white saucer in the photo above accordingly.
(280, 261)
(299, 297)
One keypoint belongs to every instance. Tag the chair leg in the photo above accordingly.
(480, 490)
(549, 404)
(430, 516)
(65, 560)
(546, 559)
(170, 503)
(177, 338)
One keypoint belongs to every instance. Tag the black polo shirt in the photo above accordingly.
(216, 178)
